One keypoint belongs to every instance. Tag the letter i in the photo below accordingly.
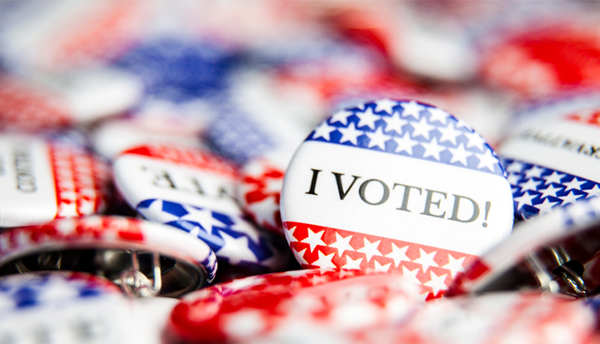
(313, 182)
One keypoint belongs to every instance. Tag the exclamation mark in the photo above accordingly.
(487, 212)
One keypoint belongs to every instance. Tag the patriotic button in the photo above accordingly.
(42, 180)
(61, 307)
(192, 190)
(553, 162)
(395, 186)
(130, 252)
(556, 252)
(265, 307)
(530, 317)
(538, 61)
(67, 99)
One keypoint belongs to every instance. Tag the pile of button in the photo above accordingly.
(268, 172)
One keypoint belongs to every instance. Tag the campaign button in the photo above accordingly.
(58, 101)
(553, 162)
(42, 180)
(262, 308)
(63, 307)
(496, 318)
(395, 186)
(193, 190)
(144, 258)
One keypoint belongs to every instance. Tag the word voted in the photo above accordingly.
(188, 183)
(375, 192)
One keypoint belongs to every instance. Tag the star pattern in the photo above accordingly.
(409, 129)
(537, 189)
(325, 247)
(230, 236)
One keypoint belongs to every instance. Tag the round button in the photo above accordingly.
(42, 180)
(395, 185)
(553, 161)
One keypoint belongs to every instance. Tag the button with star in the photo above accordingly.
(43, 179)
(193, 190)
(261, 308)
(395, 185)
(144, 258)
(552, 160)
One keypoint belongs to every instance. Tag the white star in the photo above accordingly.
(236, 249)
(460, 154)
(313, 239)
(549, 191)
(421, 128)
(574, 184)
(352, 264)
(487, 160)
(530, 184)
(535, 171)
(569, 198)
(410, 275)
(67, 210)
(405, 143)
(300, 256)
(411, 109)
(324, 130)
(433, 149)
(244, 227)
(86, 207)
(475, 140)
(367, 118)
(382, 268)
(595, 191)
(341, 116)
(370, 249)
(398, 254)
(449, 133)
(454, 265)
(426, 259)
(350, 134)
(385, 105)
(554, 177)
(342, 244)
(524, 200)
(513, 178)
(155, 213)
(324, 261)
(437, 283)
(515, 167)
(264, 211)
(204, 217)
(546, 206)
(289, 235)
(378, 138)
(438, 115)
(394, 123)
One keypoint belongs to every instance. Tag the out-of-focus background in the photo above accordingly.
(194, 61)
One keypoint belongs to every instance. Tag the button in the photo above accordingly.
(495, 318)
(553, 161)
(556, 252)
(274, 306)
(62, 307)
(128, 251)
(42, 180)
(193, 190)
(395, 186)
(66, 99)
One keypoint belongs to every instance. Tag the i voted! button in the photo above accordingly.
(395, 186)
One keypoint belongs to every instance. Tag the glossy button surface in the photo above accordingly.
(395, 185)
